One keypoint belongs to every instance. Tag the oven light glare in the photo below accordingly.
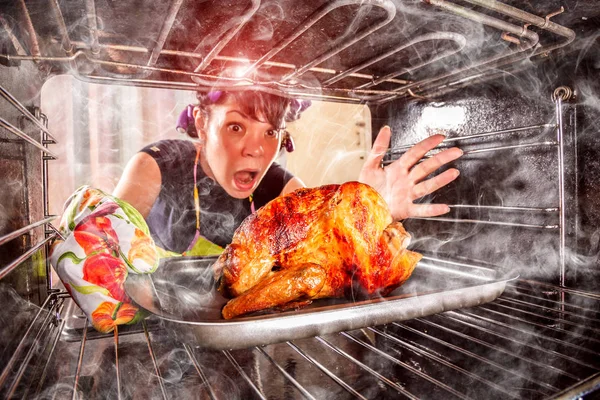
(441, 120)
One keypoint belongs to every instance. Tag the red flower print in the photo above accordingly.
(96, 234)
(108, 315)
(106, 271)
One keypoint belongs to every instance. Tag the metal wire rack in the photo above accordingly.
(98, 57)
(557, 214)
(537, 341)
(47, 138)
(469, 353)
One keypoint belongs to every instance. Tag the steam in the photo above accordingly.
(268, 16)
(120, 125)
(15, 316)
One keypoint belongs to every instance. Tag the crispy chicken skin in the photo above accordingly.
(331, 241)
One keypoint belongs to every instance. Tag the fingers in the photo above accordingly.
(428, 210)
(431, 185)
(422, 170)
(416, 152)
(380, 147)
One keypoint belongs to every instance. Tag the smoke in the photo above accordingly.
(17, 350)
(16, 315)
(518, 97)
(517, 177)
(588, 92)
(266, 21)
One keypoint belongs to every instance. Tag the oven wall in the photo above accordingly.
(21, 200)
(524, 177)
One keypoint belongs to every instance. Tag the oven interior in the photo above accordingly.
(513, 84)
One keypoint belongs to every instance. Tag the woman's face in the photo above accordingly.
(237, 150)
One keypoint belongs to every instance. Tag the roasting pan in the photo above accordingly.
(182, 293)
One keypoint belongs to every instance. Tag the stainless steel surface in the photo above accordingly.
(36, 347)
(21, 197)
(5, 270)
(16, 131)
(561, 186)
(183, 293)
(17, 104)
(526, 17)
(538, 340)
(390, 12)
(12, 235)
(458, 39)
(543, 169)
(91, 53)
(164, 31)
(534, 341)
(399, 149)
(214, 52)
(525, 131)
(487, 222)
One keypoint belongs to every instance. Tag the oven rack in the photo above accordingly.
(50, 232)
(397, 152)
(31, 359)
(559, 144)
(549, 331)
(79, 56)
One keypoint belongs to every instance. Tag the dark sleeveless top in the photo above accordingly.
(172, 219)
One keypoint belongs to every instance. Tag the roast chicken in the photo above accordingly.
(331, 241)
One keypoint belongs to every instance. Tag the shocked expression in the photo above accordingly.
(237, 150)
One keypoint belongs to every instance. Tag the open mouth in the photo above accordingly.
(245, 180)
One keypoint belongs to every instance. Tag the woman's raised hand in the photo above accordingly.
(403, 181)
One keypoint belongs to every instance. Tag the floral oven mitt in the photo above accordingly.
(105, 239)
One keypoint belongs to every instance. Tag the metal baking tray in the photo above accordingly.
(182, 293)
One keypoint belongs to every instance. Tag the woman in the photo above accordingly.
(190, 196)
(231, 171)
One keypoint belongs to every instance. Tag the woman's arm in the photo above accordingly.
(403, 181)
(140, 183)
